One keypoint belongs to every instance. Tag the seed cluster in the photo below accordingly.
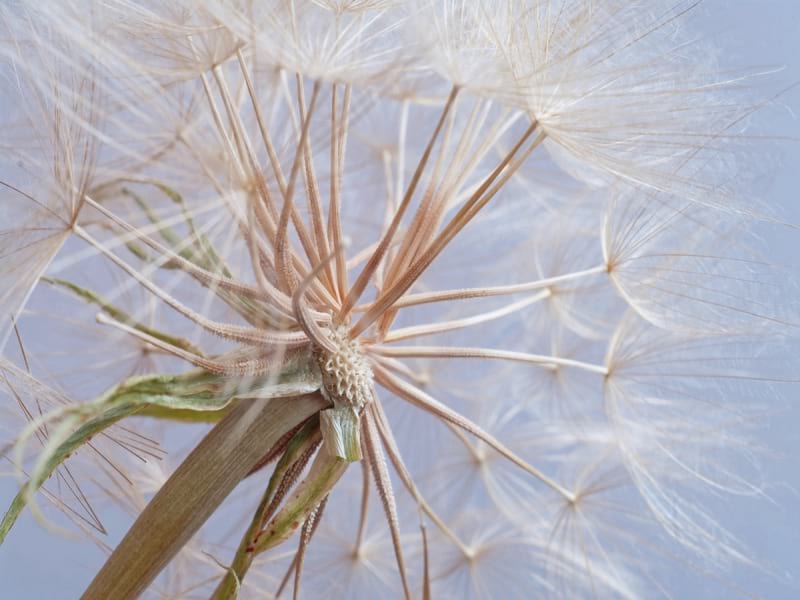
(346, 374)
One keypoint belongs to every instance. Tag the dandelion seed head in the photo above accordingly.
(346, 374)
(458, 298)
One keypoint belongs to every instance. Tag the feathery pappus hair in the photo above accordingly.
(385, 298)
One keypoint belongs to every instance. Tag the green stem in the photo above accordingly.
(195, 490)
(301, 442)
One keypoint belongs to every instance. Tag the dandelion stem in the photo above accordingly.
(362, 513)
(271, 152)
(204, 276)
(223, 134)
(305, 440)
(384, 483)
(307, 532)
(485, 292)
(405, 476)
(443, 326)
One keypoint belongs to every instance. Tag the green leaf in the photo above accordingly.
(170, 396)
(120, 315)
(54, 456)
(182, 415)
(199, 250)
(202, 243)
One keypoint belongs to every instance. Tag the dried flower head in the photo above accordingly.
(493, 251)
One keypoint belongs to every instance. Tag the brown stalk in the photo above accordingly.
(262, 126)
(413, 331)
(192, 494)
(235, 121)
(362, 514)
(309, 527)
(283, 186)
(543, 360)
(248, 335)
(412, 237)
(217, 117)
(426, 575)
(485, 292)
(371, 441)
(295, 457)
(204, 276)
(275, 451)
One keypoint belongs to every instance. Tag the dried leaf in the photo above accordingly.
(340, 431)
